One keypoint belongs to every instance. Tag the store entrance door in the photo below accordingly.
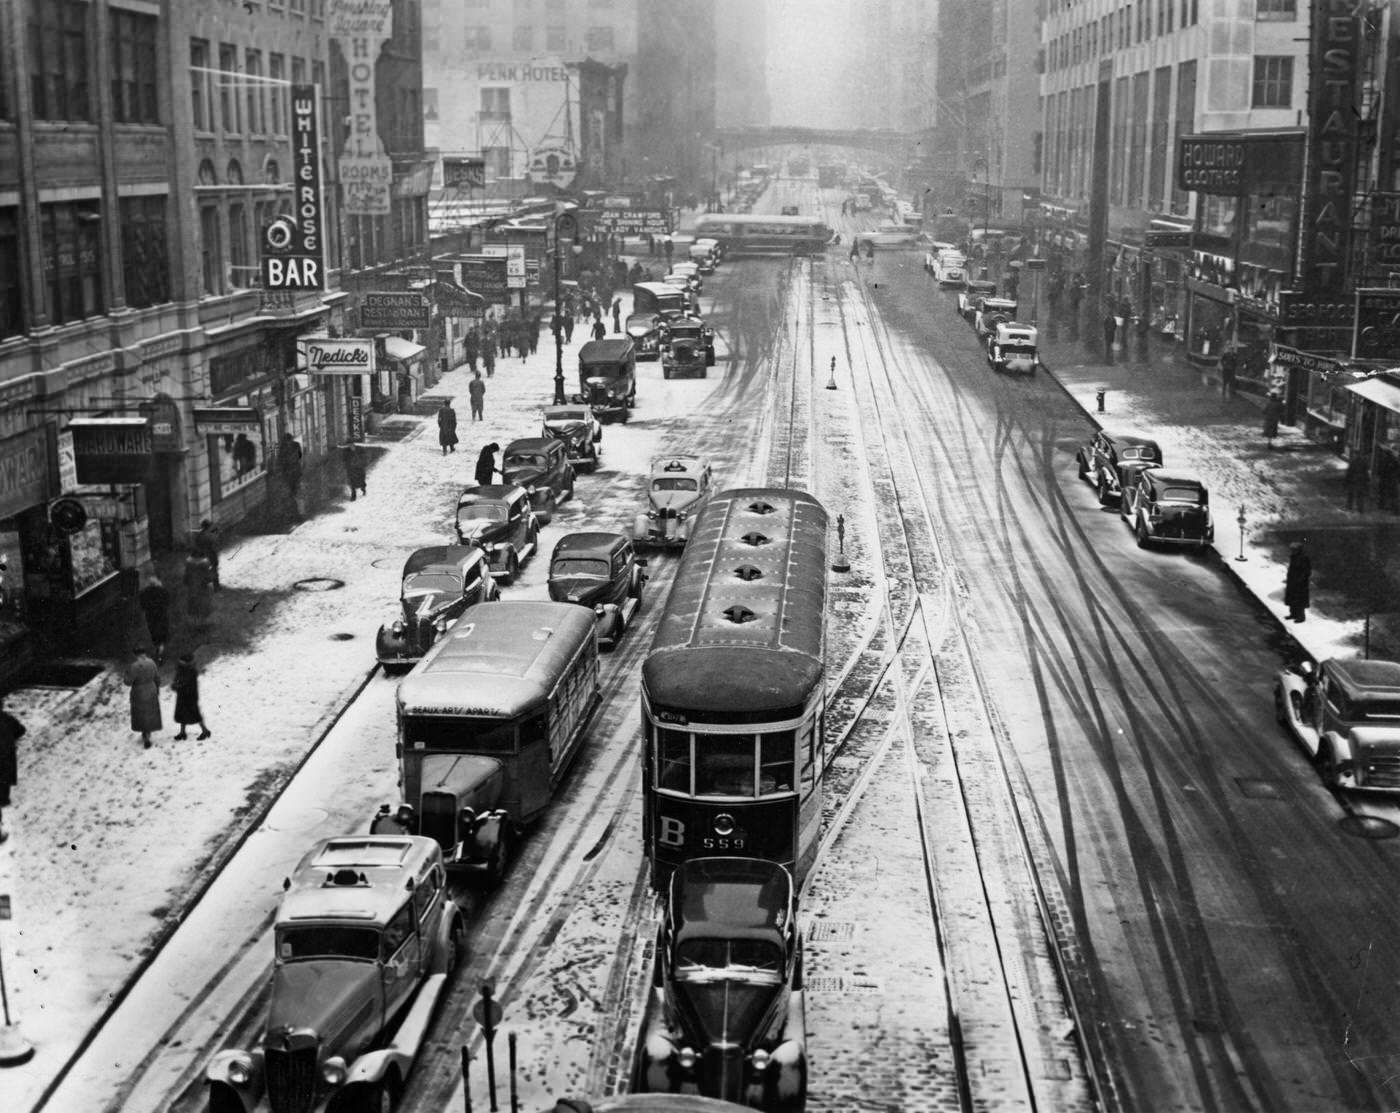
(160, 505)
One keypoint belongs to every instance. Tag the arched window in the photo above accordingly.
(234, 175)
(207, 174)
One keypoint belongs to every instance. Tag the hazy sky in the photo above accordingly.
(810, 56)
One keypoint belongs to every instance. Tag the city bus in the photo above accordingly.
(756, 234)
(489, 722)
(733, 689)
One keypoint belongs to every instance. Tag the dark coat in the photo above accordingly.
(354, 466)
(185, 685)
(10, 731)
(1273, 410)
(144, 679)
(447, 426)
(1297, 580)
(155, 604)
(199, 582)
(486, 465)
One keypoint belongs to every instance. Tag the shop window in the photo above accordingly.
(1274, 9)
(145, 258)
(95, 553)
(11, 288)
(1273, 81)
(58, 59)
(133, 39)
(236, 460)
(73, 259)
(12, 609)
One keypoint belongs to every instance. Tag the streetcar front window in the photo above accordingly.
(673, 759)
(776, 753)
(724, 765)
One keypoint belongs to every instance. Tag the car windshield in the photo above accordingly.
(1193, 495)
(580, 567)
(431, 583)
(458, 734)
(566, 415)
(323, 941)
(527, 460)
(1140, 452)
(674, 483)
(700, 959)
(482, 512)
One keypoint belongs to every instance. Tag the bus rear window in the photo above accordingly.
(443, 734)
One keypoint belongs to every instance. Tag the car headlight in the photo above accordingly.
(687, 1058)
(530, 491)
(240, 1071)
(759, 1059)
(333, 1071)
(440, 624)
(397, 627)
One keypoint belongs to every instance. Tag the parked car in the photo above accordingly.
(498, 519)
(932, 252)
(704, 253)
(1012, 346)
(790, 210)
(1346, 715)
(577, 429)
(727, 1016)
(990, 312)
(1169, 507)
(690, 271)
(686, 284)
(438, 584)
(890, 234)
(950, 268)
(540, 465)
(677, 490)
(1099, 460)
(365, 939)
(607, 375)
(972, 293)
(602, 571)
(644, 330)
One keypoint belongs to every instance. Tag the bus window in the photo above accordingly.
(673, 761)
(724, 766)
(807, 747)
(775, 761)
(465, 735)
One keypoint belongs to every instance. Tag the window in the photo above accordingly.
(478, 38)
(1273, 81)
(58, 61)
(298, 71)
(277, 94)
(495, 104)
(240, 273)
(672, 760)
(600, 38)
(724, 765)
(73, 259)
(524, 37)
(555, 37)
(133, 38)
(257, 124)
(145, 260)
(11, 296)
(230, 111)
(399, 930)
(211, 251)
(600, 3)
(199, 86)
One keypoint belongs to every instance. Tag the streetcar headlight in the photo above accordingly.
(240, 1071)
(686, 1057)
(333, 1071)
(759, 1059)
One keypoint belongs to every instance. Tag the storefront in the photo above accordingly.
(405, 368)
(26, 485)
(1374, 432)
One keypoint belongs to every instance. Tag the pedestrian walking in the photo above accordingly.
(617, 314)
(471, 348)
(1273, 413)
(1229, 364)
(1358, 481)
(206, 544)
(199, 580)
(670, 249)
(354, 461)
(855, 249)
(1110, 329)
(144, 679)
(486, 464)
(536, 327)
(447, 422)
(185, 685)
(568, 323)
(1388, 481)
(600, 330)
(1296, 583)
(154, 599)
(488, 357)
(476, 391)
(11, 730)
(289, 460)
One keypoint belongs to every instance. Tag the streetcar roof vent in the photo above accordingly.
(739, 614)
(755, 538)
(748, 572)
(345, 877)
(761, 507)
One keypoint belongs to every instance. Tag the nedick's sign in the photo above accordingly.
(325, 355)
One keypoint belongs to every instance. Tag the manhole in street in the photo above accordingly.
(342, 636)
(1369, 827)
(833, 931)
(384, 562)
(319, 583)
(1257, 788)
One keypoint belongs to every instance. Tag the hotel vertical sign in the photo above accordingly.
(360, 28)
(294, 247)
(1330, 185)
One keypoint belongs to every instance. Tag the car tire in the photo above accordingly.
(1081, 466)
(1102, 488)
(1280, 711)
(379, 1097)
(499, 863)
(1327, 763)
(512, 569)
(1144, 539)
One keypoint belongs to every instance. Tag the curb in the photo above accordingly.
(217, 862)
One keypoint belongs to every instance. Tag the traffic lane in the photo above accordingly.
(1216, 945)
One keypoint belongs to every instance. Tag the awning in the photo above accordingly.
(1382, 392)
(406, 351)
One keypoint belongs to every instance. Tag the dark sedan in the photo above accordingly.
(438, 584)
(602, 571)
(540, 465)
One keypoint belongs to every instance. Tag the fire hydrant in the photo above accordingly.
(1099, 396)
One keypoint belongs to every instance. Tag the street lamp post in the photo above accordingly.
(562, 221)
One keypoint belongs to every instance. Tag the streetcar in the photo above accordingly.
(733, 687)
(755, 234)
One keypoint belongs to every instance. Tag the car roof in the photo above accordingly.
(491, 492)
(677, 465)
(605, 351)
(590, 542)
(1128, 438)
(1176, 475)
(442, 558)
(998, 303)
(356, 878)
(1366, 679)
(747, 896)
(566, 407)
(533, 444)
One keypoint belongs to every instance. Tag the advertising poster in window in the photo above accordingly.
(236, 444)
(94, 554)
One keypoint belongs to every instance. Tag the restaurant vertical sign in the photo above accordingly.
(360, 28)
(1330, 186)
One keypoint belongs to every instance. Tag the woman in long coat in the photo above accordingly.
(186, 689)
(199, 580)
(144, 679)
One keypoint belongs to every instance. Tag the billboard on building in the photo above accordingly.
(360, 28)
(294, 247)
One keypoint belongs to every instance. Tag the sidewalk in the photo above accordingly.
(1291, 491)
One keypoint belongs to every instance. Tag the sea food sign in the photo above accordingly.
(1210, 164)
(360, 28)
(1332, 138)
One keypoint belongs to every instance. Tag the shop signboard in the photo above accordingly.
(515, 266)
(360, 28)
(293, 247)
(335, 355)
(231, 420)
(486, 274)
(355, 424)
(393, 311)
(24, 471)
(463, 173)
(112, 449)
(1377, 333)
(1310, 362)
(1163, 237)
(628, 222)
(1210, 164)
(1385, 230)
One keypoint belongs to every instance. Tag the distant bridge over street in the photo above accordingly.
(898, 146)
